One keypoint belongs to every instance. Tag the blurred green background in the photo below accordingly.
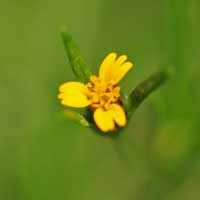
(45, 157)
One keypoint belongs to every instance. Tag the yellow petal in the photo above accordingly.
(113, 69)
(120, 72)
(103, 119)
(120, 60)
(118, 114)
(73, 86)
(106, 65)
(73, 94)
(76, 101)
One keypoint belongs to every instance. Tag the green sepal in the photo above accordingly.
(78, 65)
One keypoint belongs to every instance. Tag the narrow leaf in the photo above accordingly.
(76, 117)
(145, 88)
(79, 66)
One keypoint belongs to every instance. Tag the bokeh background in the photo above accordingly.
(46, 157)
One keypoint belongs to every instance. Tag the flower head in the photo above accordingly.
(101, 93)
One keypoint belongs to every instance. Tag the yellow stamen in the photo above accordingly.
(101, 95)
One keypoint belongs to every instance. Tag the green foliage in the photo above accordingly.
(76, 117)
(43, 157)
(144, 89)
(78, 65)
(130, 102)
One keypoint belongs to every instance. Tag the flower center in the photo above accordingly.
(100, 94)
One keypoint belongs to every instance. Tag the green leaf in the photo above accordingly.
(144, 89)
(79, 66)
(76, 117)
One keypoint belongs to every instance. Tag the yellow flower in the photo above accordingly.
(101, 93)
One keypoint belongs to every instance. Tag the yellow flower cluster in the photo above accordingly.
(101, 93)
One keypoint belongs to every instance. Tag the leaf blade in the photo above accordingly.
(78, 64)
